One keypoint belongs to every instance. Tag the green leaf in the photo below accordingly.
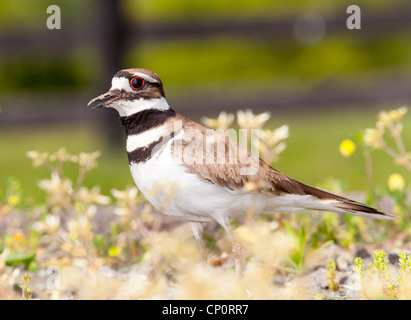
(33, 266)
(302, 239)
(99, 240)
(18, 258)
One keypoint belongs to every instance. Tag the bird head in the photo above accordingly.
(132, 90)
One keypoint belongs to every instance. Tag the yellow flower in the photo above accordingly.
(396, 182)
(19, 236)
(113, 251)
(347, 148)
(13, 200)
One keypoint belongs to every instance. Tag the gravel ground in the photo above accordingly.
(313, 277)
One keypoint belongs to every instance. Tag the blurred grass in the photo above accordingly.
(227, 62)
(222, 62)
(43, 72)
(312, 153)
(112, 170)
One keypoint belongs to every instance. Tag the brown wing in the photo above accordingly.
(215, 157)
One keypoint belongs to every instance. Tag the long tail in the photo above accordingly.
(328, 201)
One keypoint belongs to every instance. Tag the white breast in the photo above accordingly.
(145, 138)
(170, 188)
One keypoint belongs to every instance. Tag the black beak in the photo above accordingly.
(101, 101)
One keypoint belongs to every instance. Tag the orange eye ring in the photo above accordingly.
(137, 83)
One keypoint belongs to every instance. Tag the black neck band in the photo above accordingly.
(145, 120)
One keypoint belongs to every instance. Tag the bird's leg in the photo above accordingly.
(238, 258)
(237, 250)
(197, 228)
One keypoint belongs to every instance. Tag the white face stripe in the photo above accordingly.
(128, 107)
(121, 84)
(145, 77)
(145, 138)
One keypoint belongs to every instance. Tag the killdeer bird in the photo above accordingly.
(195, 173)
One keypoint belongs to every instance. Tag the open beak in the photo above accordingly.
(101, 101)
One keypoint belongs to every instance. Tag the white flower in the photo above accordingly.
(56, 185)
(51, 224)
(86, 196)
(79, 228)
(61, 155)
(248, 120)
(385, 118)
(129, 193)
(271, 145)
(279, 148)
(124, 211)
(273, 137)
(373, 137)
(86, 160)
(223, 121)
(38, 158)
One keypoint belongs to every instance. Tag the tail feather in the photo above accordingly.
(355, 208)
(331, 202)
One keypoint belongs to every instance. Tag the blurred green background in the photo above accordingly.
(295, 59)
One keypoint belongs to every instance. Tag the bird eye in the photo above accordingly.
(136, 83)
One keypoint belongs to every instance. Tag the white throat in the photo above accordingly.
(128, 107)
